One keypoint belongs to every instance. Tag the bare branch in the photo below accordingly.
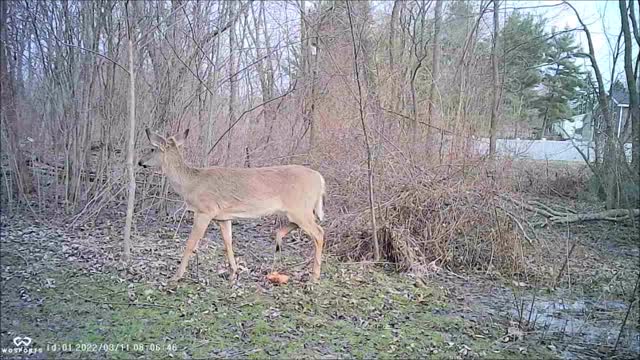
(91, 51)
(291, 89)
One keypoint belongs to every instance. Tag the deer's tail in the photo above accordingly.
(318, 208)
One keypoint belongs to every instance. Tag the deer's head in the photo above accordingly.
(161, 147)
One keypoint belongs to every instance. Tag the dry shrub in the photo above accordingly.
(550, 178)
(446, 215)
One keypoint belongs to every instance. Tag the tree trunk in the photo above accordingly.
(309, 60)
(130, 148)
(634, 105)
(494, 79)
(609, 176)
(233, 87)
(394, 85)
(435, 72)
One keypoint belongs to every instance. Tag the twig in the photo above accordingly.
(456, 275)
(626, 316)
(564, 264)
(91, 51)
(515, 219)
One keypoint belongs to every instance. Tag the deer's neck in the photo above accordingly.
(177, 171)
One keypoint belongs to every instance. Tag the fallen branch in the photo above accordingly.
(528, 207)
(550, 209)
(569, 216)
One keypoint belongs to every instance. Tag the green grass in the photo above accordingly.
(368, 313)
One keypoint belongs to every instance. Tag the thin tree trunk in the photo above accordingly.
(395, 86)
(435, 71)
(494, 79)
(233, 87)
(392, 31)
(130, 149)
(309, 57)
(217, 67)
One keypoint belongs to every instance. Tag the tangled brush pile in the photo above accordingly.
(453, 220)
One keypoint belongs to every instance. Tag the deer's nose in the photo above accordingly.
(140, 163)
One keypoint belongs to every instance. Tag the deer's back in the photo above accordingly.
(254, 192)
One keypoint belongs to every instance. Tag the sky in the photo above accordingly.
(601, 17)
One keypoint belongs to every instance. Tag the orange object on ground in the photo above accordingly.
(277, 278)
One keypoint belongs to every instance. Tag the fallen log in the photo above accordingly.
(567, 216)
(609, 215)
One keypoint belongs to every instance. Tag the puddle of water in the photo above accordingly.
(588, 320)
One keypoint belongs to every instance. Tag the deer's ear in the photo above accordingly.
(180, 138)
(155, 139)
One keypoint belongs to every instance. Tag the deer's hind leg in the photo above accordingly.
(309, 225)
(282, 232)
(200, 224)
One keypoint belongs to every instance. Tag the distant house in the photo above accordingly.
(578, 127)
(620, 107)
(581, 127)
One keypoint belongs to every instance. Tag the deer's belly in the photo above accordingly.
(230, 210)
(249, 212)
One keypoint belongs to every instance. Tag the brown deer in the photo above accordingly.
(224, 194)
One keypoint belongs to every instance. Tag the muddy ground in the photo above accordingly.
(69, 292)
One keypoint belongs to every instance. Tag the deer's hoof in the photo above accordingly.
(233, 278)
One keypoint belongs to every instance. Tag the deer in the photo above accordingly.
(224, 194)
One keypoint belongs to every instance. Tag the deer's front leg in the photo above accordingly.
(200, 223)
(225, 229)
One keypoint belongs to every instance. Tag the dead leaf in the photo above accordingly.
(277, 278)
